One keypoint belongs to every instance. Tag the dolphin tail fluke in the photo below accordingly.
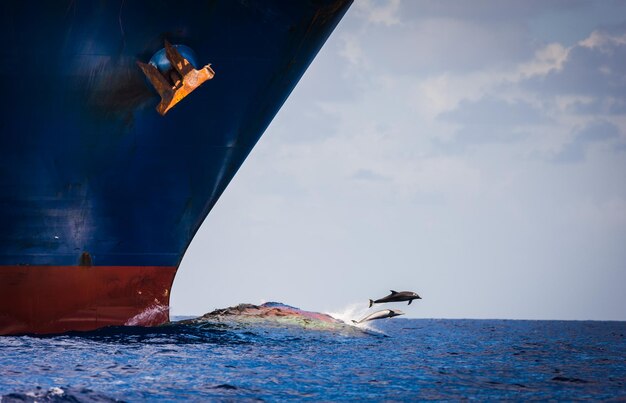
(410, 302)
(371, 302)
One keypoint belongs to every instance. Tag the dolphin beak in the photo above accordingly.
(418, 297)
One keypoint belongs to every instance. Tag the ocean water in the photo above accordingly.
(390, 359)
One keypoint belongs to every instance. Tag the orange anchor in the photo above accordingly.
(184, 83)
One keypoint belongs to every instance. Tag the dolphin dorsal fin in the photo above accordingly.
(393, 292)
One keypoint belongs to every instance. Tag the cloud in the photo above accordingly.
(368, 175)
(606, 214)
(600, 131)
(549, 58)
(486, 11)
(314, 125)
(492, 120)
(379, 12)
(599, 106)
(352, 50)
(438, 45)
(594, 67)
(433, 37)
(433, 95)
(603, 41)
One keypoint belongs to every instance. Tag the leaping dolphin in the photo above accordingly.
(396, 296)
(385, 313)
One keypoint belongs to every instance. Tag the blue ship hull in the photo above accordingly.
(91, 176)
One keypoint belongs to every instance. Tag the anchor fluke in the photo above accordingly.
(180, 84)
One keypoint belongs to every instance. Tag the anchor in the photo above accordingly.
(183, 83)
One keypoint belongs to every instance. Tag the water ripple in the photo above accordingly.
(420, 359)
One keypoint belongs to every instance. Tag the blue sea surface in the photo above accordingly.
(405, 359)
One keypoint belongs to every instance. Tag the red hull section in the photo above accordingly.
(57, 299)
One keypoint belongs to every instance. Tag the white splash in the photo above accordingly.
(147, 316)
(354, 311)
(55, 391)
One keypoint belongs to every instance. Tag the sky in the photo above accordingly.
(472, 152)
